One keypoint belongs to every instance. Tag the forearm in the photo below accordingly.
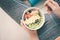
(34, 37)
(57, 12)
(55, 18)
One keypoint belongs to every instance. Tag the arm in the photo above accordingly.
(34, 37)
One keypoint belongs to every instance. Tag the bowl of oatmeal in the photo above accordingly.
(33, 18)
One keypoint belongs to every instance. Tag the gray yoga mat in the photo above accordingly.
(15, 8)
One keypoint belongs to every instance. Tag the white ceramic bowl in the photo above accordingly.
(38, 25)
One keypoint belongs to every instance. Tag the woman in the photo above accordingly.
(50, 6)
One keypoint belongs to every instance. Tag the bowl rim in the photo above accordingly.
(41, 14)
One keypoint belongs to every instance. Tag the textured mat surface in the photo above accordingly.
(49, 31)
(14, 8)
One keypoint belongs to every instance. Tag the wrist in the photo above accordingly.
(56, 19)
(57, 12)
(34, 37)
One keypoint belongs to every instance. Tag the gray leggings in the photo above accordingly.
(51, 28)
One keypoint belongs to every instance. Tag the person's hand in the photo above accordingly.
(58, 38)
(32, 33)
(51, 5)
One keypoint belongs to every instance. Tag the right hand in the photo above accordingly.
(54, 6)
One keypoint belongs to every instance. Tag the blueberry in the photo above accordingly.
(36, 21)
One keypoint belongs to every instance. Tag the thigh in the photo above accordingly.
(50, 29)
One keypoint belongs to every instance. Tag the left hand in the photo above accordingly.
(32, 33)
